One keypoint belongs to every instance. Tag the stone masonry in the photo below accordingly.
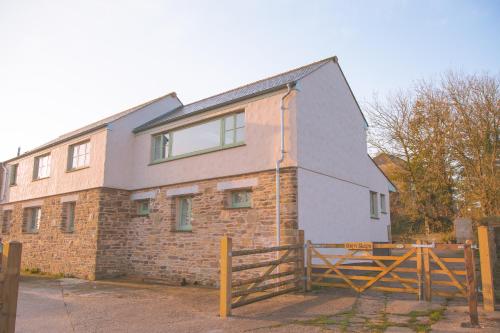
(110, 240)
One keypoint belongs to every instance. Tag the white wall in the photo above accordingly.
(335, 173)
(262, 137)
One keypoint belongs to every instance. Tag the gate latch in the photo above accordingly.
(433, 245)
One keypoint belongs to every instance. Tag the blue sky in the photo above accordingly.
(64, 64)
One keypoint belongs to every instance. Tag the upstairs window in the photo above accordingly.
(13, 174)
(32, 217)
(373, 205)
(204, 137)
(79, 155)
(383, 205)
(6, 221)
(42, 167)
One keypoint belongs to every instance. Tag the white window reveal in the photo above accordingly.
(383, 204)
(184, 213)
(42, 167)
(79, 156)
(373, 205)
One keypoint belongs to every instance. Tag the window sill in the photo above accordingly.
(202, 152)
(68, 232)
(375, 217)
(140, 215)
(77, 169)
(30, 232)
(37, 179)
(385, 213)
(12, 185)
(232, 208)
(183, 231)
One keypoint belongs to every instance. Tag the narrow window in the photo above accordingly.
(373, 205)
(42, 167)
(234, 129)
(240, 199)
(160, 147)
(69, 209)
(13, 174)
(383, 208)
(32, 219)
(79, 155)
(6, 221)
(184, 207)
(143, 207)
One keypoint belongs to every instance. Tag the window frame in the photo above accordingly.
(374, 212)
(69, 227)
(36, 166)
(30, 223)
(7, 222)
(383, 203)
(71, 155)
(178, 213)
(13, 174)
(222, 145)
(230, 200)
(139, 207)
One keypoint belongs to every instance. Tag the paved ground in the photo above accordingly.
(72, 305)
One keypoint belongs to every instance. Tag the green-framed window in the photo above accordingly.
(143, 207)
(13, 174)
(211, 135)
(373, 205)
(184, 213)
(32, 217)
(383, 204)
(69, 216)
(240, 199)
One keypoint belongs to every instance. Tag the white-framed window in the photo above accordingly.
(13, 174)
(33, 216)
(240, 198)
(184, 213)
(383, 204)
(79, 155)
(142, 207)
(69, 210)
(373, 205)
(42, 167)
(160, 147)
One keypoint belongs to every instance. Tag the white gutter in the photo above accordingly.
(290, 87)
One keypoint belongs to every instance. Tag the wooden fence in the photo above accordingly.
(282, 275)
(9, 285)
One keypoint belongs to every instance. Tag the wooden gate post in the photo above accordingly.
(226, 245)
(419, 269)
(471, 283)
(11, 267)
(309, 266)
(486, 269)
(300, 263)
(428, 277)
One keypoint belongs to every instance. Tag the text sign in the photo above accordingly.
(359, 246)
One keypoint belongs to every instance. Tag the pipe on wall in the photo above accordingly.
(290, 88)
(3, 185)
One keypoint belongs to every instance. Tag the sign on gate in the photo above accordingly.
(359, 246)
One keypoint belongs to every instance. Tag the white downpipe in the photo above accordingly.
(278, 162)
(4, 182)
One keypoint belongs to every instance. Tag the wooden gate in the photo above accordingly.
(9, 285)
(283, 272)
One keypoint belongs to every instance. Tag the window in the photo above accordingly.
(208, 136)
(13, 174)
(68, 216)
(32, 219)
(79, 155)
(234, 129)
(6, 221)
(143, 207)
(42, 167)
(373, 205)
(184, 207)
(240, 199)
(383, 208)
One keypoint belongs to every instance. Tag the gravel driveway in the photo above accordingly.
(72, 305)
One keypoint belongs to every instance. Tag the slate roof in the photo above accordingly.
(247, 91)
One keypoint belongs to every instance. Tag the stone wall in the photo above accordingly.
(110, 240)
(52, 249)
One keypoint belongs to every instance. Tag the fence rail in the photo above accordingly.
(269, 283)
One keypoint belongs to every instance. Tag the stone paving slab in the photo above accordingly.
(72, 305)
